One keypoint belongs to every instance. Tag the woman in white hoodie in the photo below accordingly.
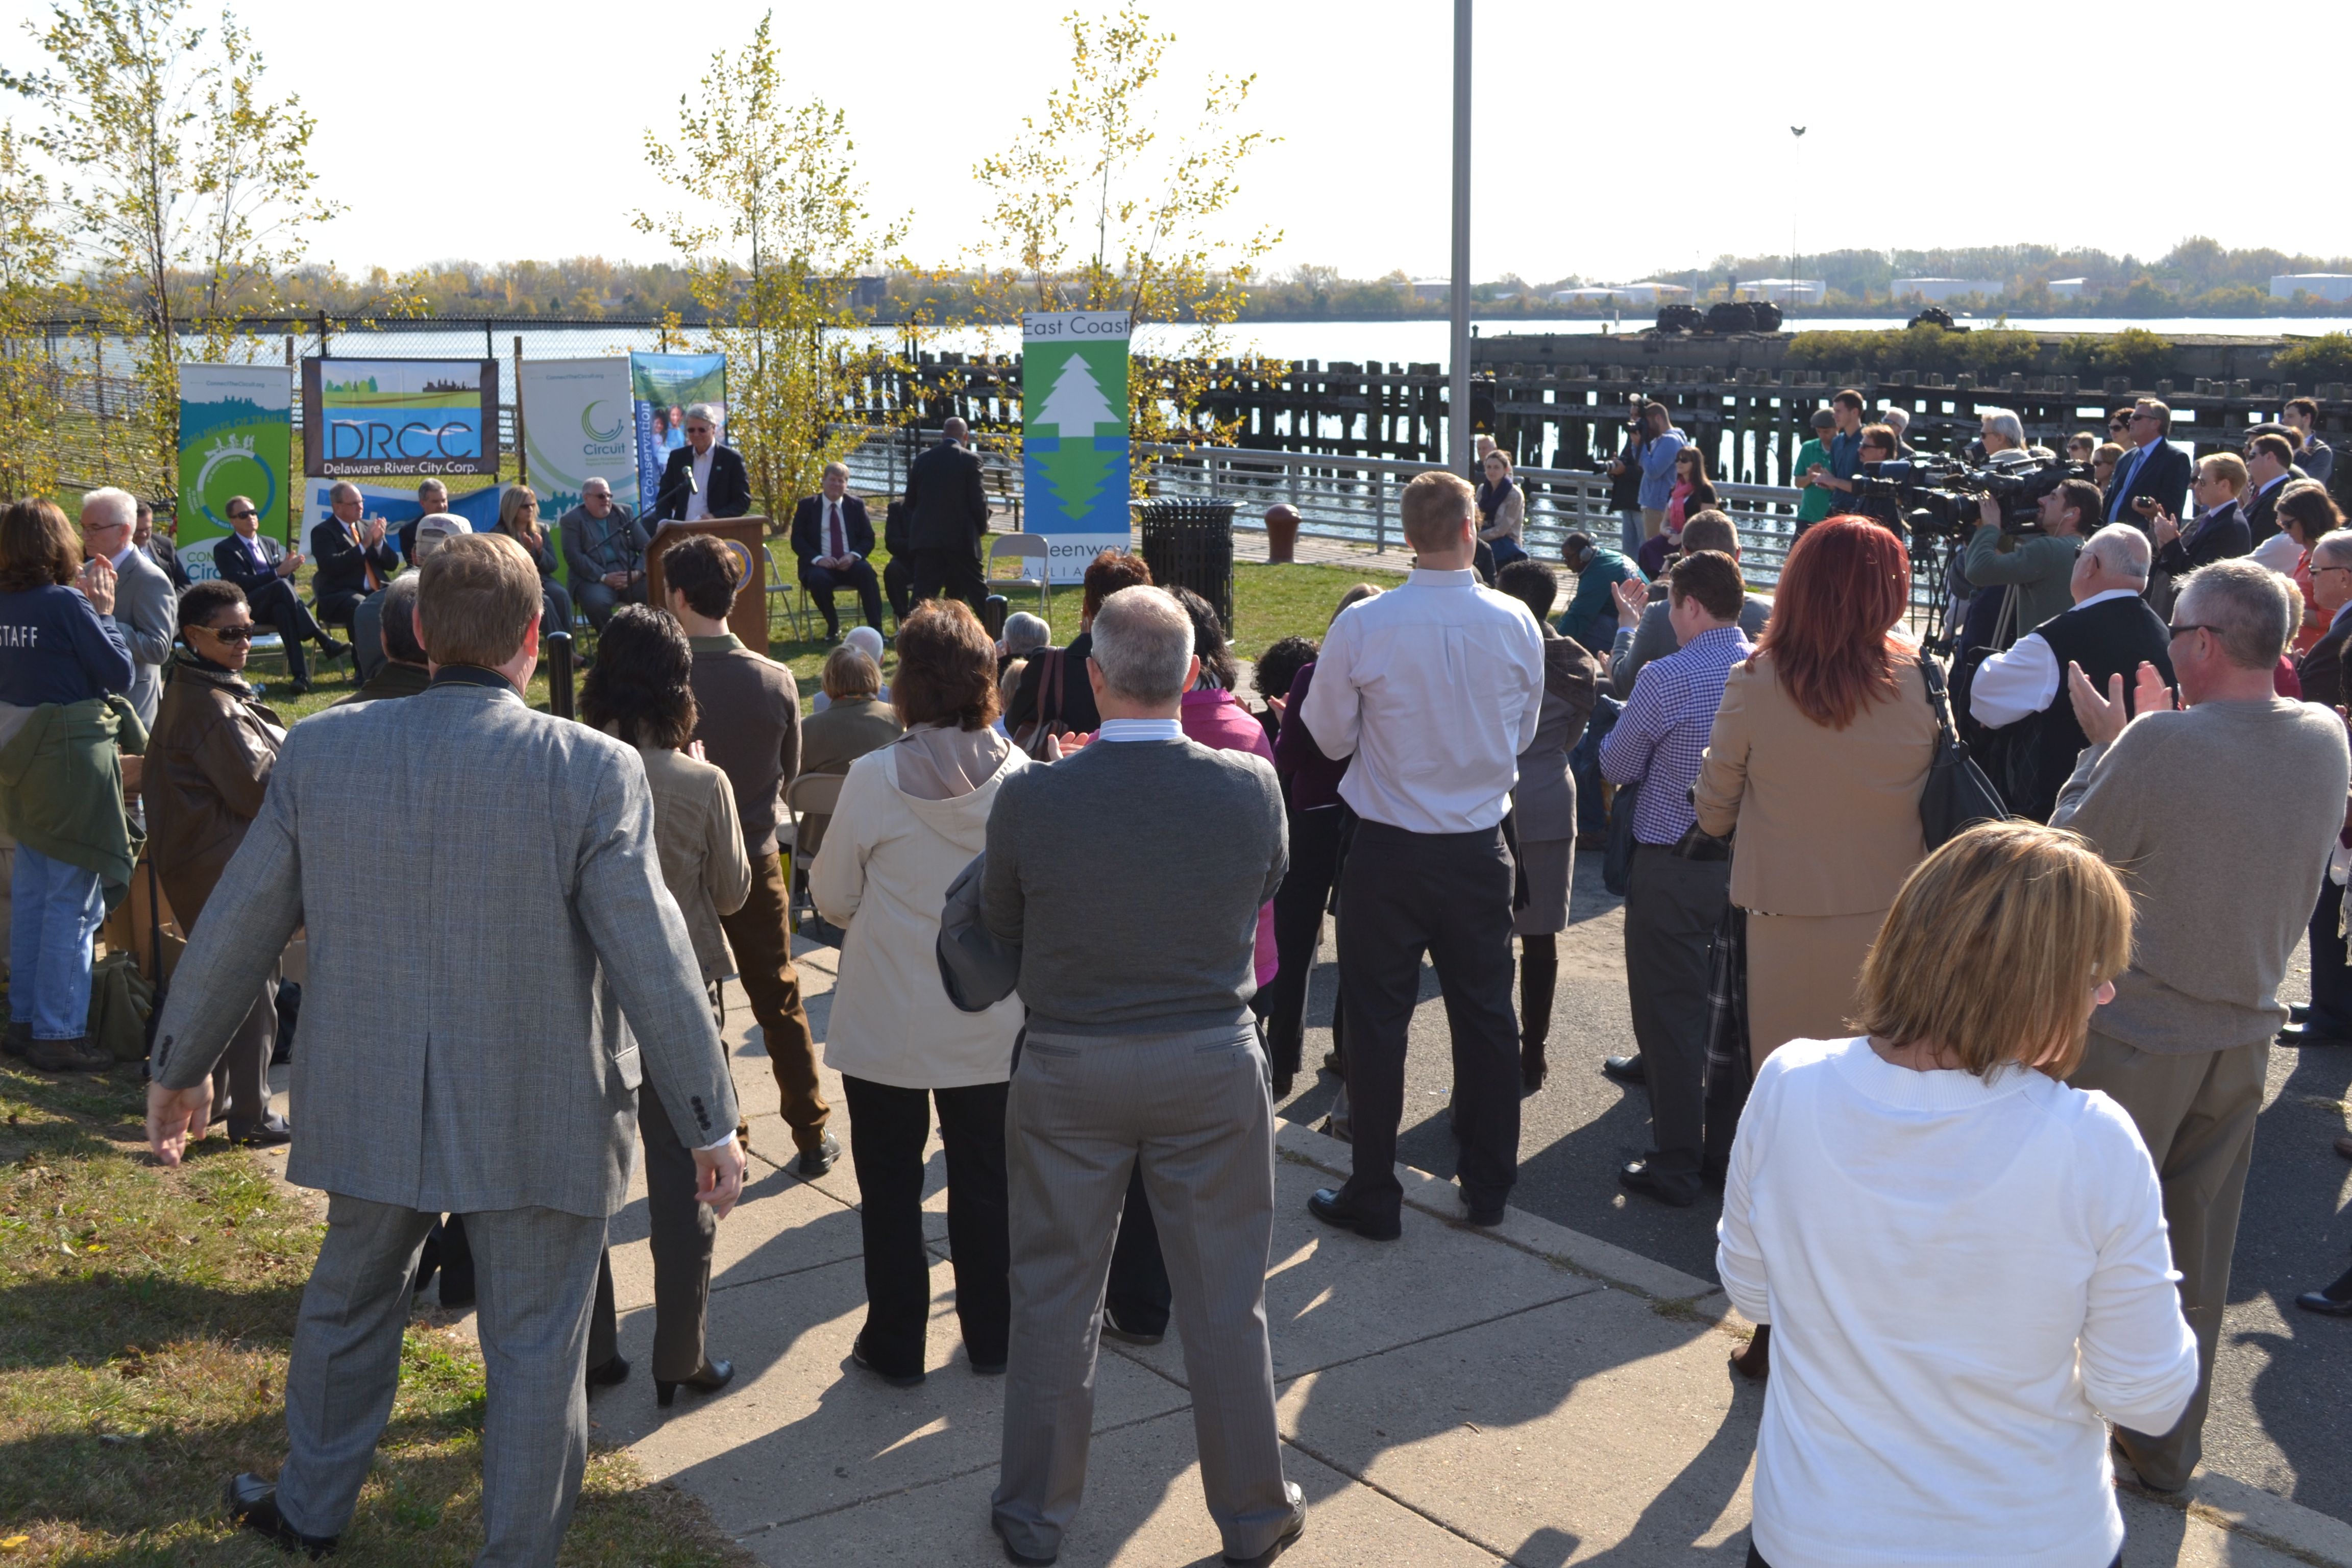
(912, 816)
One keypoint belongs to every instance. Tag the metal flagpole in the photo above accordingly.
(1457, 432)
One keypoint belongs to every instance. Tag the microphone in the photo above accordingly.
(662, 498)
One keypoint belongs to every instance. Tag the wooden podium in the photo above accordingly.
(746, 537)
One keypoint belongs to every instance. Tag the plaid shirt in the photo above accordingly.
(1661, 737)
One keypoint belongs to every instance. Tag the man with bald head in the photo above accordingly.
(947, 513)
(2110, 631)
(355, 558)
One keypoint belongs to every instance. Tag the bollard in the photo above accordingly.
(557, 648)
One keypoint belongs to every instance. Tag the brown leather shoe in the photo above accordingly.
(68, 1056)
(2344, 1145)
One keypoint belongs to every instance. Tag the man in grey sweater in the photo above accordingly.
(1135, 945)
(2219, 899)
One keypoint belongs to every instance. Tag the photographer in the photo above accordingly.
(2034, 568)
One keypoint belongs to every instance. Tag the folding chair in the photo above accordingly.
(1024, 548)
(810, 795)
(796, 605)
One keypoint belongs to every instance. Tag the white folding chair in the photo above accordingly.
(1025, 549)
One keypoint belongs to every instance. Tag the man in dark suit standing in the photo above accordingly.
(159, 549)
(721, 487)
(2270, 462)
(831, 539)
(355, 558)
(2155, 478)
(946, 512)
(261, 567)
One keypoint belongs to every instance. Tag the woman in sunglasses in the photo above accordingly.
(210, 758)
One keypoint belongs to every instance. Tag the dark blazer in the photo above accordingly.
(235, 564)
(808, 528)
(2219, 535)
(2164, 473)
(160, 550)
(2321, 670)
(730, 494)
(946, 507)
(342, 565)
(2262, 518)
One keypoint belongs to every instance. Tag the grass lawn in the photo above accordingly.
(1269, 603)
(144, 1321)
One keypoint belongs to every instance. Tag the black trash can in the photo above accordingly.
(1190, 544)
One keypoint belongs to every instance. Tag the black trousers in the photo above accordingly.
(278, 603)
(1299, 906)
(1138, 1294)
(887, 1128)
(954, 573)
(897, 578)
(1448, 895)
(684, 1234)
(336, 609)
(823, 583)
(2331, 981)
(1672, 908)
(448, 1254)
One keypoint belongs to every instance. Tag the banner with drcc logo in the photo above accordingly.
(1074, 438)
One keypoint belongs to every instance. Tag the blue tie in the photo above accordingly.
(2123, 484)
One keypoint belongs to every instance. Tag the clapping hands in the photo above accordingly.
(2103, 719)
(1632, 597)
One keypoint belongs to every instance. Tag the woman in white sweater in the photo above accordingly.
(912, 816)
(1960, 1260)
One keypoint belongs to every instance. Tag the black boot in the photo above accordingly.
(1538, 976)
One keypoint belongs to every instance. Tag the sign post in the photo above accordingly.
(1074, 441)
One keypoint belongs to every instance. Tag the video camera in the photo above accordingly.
(1941, 495)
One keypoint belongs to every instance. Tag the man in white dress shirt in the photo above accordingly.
(2110, 631)
(1435, 689)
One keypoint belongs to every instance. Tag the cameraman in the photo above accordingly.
(2034, 567)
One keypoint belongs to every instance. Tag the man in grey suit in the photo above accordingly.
(604, 551)
(530, 919)
(146, 607)
(1140, 1051)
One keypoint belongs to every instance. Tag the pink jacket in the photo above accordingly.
(1218, 722)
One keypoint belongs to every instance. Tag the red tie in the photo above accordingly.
(840, 546)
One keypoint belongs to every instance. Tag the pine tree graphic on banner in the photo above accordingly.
(1073, 408)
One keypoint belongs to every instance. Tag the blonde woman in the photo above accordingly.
(1502, 511)
(518, 520)
(1960, 1261)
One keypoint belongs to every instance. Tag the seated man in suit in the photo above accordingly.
(502, 1085)
(259, 565)
(720, 485)
(355, 558)
(831, 539)
(603, 551)
(2155, 477)
(431, 496)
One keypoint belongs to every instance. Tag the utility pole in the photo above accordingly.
(1796, 183)
(1457, 432)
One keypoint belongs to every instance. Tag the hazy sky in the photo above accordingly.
(1609, 140)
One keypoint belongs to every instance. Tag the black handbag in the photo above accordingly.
(1957, 796)
(1617, 858)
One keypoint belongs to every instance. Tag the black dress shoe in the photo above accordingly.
(330, 648)
(2298, 1013)
(1326, 1207)
(816, 1162)
(1290, 1532)
(1479, 1216)
(613, 1371)
(300, 687)
(252, 1503)
(1282, 1084)
(1112, 1329)
(1638, 1177)
(1624, 1069)
(2313, 1035)
(1014, 1554)
(894, 1379)
(1533, 1068)
(714, 1376)
(271, 1134)
(984, 1368)
(2326, 1305)
(1331, 1061)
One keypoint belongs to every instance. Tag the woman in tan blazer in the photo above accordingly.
(1817, 759)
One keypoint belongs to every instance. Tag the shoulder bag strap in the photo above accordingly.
(1937, 703)
(1056, 658)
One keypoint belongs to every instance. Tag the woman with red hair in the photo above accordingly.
(1817, 759)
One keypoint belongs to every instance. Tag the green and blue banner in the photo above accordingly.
(662, 387)
(237, 438)
(1074, 438)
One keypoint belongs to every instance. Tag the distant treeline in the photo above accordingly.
(2196, 277)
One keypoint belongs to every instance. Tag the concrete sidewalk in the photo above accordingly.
(1527, 1394)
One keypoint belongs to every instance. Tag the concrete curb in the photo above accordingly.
(2263, 1518)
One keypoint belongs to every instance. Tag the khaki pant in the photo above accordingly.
(2196, 1115)
(761, 938)
(1653, 517)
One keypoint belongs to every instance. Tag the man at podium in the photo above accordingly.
(720, 485)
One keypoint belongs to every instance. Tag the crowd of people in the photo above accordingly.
(1977, 1093)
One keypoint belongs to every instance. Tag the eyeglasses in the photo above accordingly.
(229, 634)
(2192, 627)
(240, 516)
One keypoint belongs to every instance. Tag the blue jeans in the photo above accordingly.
(1629, 532)
(53, 911)
(1584, 764)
